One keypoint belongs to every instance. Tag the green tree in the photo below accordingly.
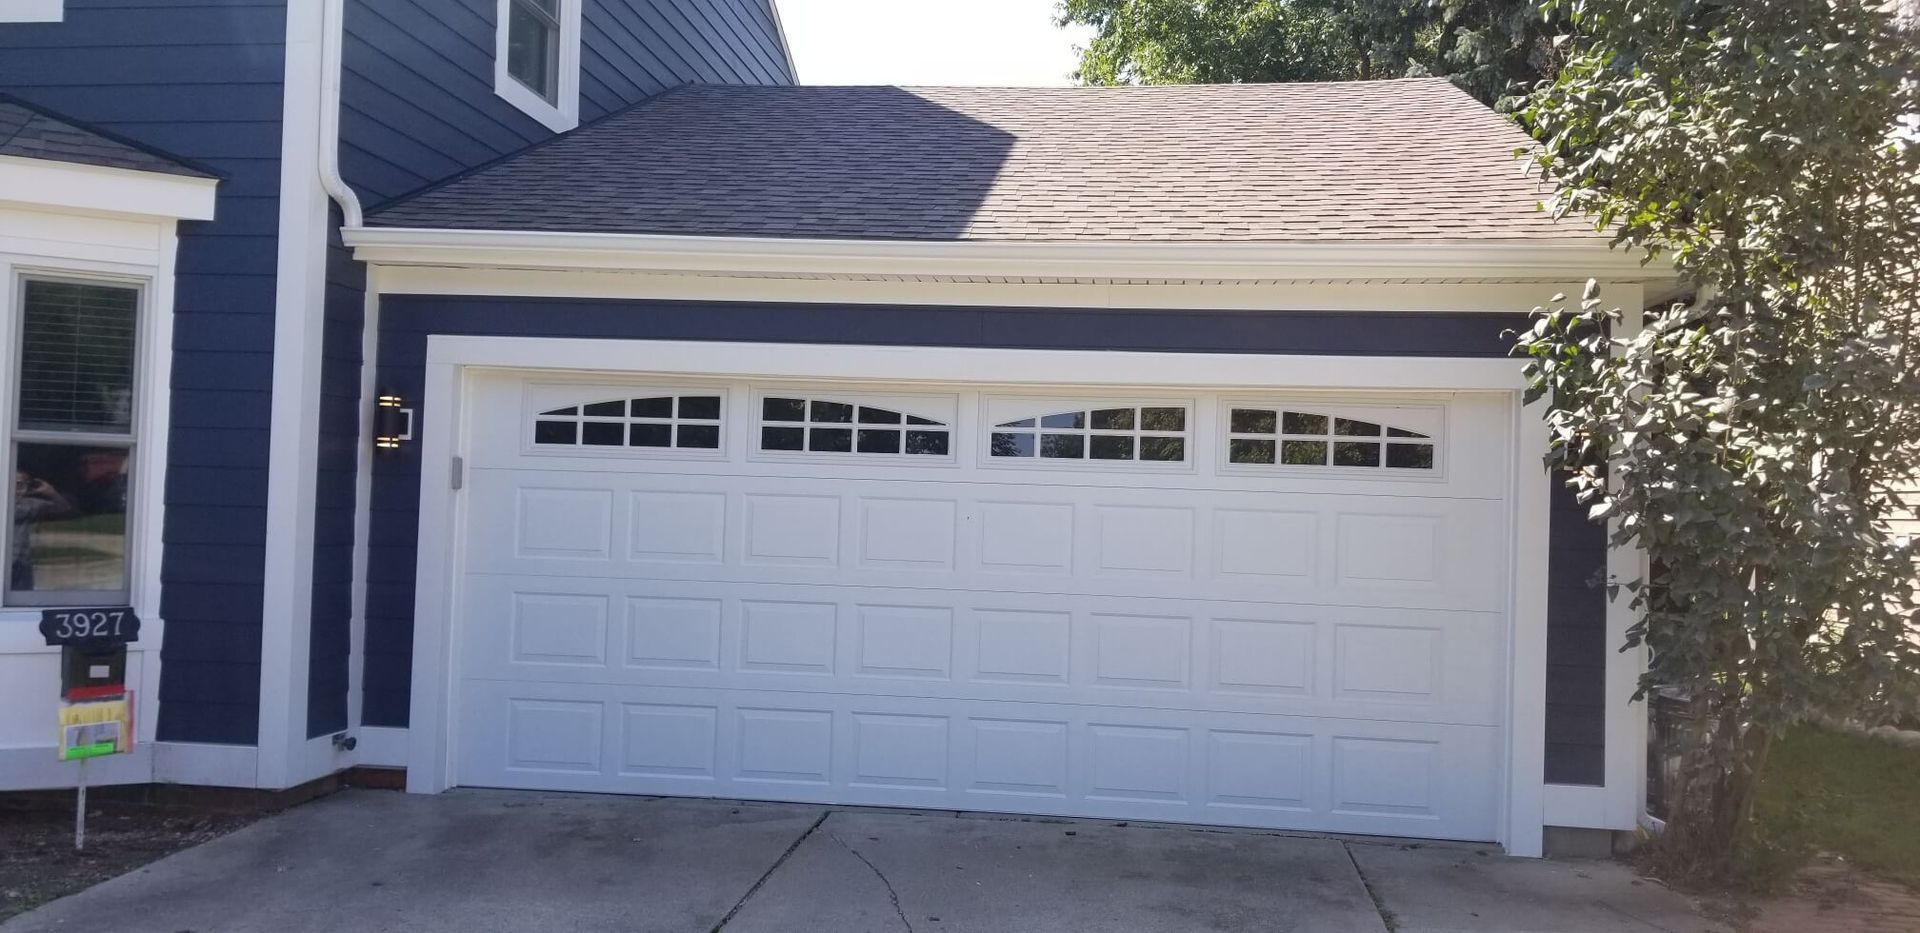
(1491, 48)
(1745, 439)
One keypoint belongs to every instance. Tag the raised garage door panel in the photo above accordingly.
(1201, 642)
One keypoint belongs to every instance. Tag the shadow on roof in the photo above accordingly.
(879, 162)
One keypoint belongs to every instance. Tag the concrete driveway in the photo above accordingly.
(476, 861)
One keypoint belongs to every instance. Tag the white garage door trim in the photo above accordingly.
(443, 518)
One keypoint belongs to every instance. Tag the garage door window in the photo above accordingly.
(686, 422)
(1139, 433)
(815, 425)
(1286, 437)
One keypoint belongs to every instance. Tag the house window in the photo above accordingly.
(533, 46)
(828, 426)
(1284, 437)
(1155, 433)
(537, 59)
(72, 443)
(661, 422)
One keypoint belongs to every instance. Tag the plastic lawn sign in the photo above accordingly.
(96, 728)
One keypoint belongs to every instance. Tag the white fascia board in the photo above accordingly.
(46, 183)
(1128, 260)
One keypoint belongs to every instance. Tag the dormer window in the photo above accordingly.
(537, 60)
(533, 46)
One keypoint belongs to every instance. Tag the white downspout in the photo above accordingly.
(332, 37)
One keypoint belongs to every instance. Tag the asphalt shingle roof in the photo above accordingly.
(31, 132)
(1380, 160)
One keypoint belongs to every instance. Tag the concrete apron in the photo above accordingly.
(498, 861)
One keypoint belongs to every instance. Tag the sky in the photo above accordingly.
(930, 42)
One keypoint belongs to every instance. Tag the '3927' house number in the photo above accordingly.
(97, 626)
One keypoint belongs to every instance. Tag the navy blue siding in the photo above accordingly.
(407, 321)
(1577, 648)
(417, 105)
(202, 79)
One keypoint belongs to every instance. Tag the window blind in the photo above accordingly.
(76, 357)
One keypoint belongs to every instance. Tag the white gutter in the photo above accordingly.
(1475, 260)
(332, 37)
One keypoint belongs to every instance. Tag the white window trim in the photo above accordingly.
(152, 375)
(1042, 406)
(132, 441)
(32, 11)
(558, 117)
(941, 407)
(1376, 410)
(532, 410)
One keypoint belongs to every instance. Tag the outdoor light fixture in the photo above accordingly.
(391, 423)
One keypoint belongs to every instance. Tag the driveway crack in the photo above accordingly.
(1387, 919)
(892, 895)
(782, 860)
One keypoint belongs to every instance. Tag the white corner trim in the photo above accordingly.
(1619, 802)
(1126, 260)
(1626, 720)
(32, 11)
(1526, 796)
(299, 297)
(430, 749)
(46, 183)
(558, 117)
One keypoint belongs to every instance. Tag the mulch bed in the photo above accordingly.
(38, 864)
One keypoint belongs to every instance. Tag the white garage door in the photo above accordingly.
(1255, 609)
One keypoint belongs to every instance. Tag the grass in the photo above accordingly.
(1852, 797)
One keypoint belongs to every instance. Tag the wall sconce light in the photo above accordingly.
(391, 423)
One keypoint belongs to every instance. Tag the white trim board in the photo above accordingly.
(32, 11)
(1527, 663)
(98, 189)
(205, 764)
(894, 364)
(442, 518)
(38, 767)
(286, 756)
(382, 746)
(1072, 259)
